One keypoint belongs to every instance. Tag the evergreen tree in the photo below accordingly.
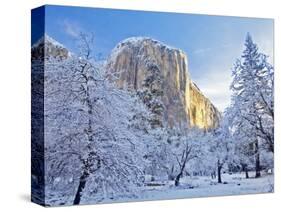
(151, 94)
(251, 111)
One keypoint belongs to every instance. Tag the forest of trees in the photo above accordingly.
(106, 143)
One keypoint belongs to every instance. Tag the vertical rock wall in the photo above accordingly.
(184, 104)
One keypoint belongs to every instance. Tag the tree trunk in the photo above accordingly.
(246, 173)
(85, 175)
(257, 158)
(177, 181)
(245, 169)
(219, 172)
(213, 175)
(82, 183)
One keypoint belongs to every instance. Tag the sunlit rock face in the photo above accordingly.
(203, 113)
(184, 105)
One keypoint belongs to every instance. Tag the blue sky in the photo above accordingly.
(212, 43)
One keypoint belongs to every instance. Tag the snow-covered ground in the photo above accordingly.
(190, 187)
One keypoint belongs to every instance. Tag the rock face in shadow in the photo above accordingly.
(47, 47)
(184, 104)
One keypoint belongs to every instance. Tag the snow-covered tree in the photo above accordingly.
(252, 106)
(157, 154)
(185, 147)
(152, 92)
(221, 148)
(90, 140)
(206, 164)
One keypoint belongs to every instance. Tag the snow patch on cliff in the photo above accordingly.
(138, 42)
(47, 39)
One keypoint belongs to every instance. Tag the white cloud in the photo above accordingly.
(208, 50)
(201, 51)
(71, 28)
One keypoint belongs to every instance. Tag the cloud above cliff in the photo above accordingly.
(71, 28)
(201, 51)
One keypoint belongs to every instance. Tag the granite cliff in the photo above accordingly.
(47, 47)
(135, 59)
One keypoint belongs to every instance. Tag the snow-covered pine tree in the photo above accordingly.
(252, 102)
(152, 92)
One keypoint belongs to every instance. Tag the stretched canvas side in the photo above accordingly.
(37, 108)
